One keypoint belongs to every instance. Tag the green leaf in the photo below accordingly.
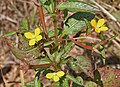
(64, 61)
(64, 52)
(97, 78)
(24, 24)
(50, 32)
(73, 65)
(48, 43)
(57, 84)
(76, 22)
(91, 84)
(65, 13)
(24, 53)
(37, 81)
(88, 26)
(81, 64)
(85, 65)
(73, 26)
(75, 80)
(47, 5)
(9, 34)
(67, 49)
(82, 15)
(18, 53)
(80, 79)
(65, 83)
(51, 57)
(30, 50)
(113, 37)
(77, 6)
(102, 37)
(102, 51)
(59, 56)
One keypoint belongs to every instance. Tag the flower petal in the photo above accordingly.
(56, 78)
(31, 42)
(97, 30)
(100, 23)
(28, 35)
(93, 23)
(60, 73)
(38, 38)
(37, 31)
(103, 28)
(49, 75)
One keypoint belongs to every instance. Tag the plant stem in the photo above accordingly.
(55, 25)
(42, 19)
(53, 9)
(55, 30)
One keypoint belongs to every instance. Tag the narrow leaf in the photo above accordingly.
(64, 52)
(57, 84)
(88, 26)
(65, 83)
(77, 6)
(75, 80)
(24, 24)
(9, 34)
(37, 81)
(112, 38)
(102, 37)
(48, 43)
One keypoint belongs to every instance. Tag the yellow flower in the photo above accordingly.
(55, 76)
(99, 26)
(33, 37)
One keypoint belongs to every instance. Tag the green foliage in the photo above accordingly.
(76, 22)
(8, 34)
(37, 81)
(65, 83)
(56, 85)
(88, 26)
(64, 52)
(112, 38)
(90, 84)
(48, 43)
(78, 80)
(53, 53)
(76, 6)
(24, 25)
(73, 26)
(47, 5)
(82, 64)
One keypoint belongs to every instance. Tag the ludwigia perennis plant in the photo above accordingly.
(50, 48)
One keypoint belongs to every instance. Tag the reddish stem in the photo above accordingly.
(42, 20)
(39, 66)
(91, 32)
(82, 45)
